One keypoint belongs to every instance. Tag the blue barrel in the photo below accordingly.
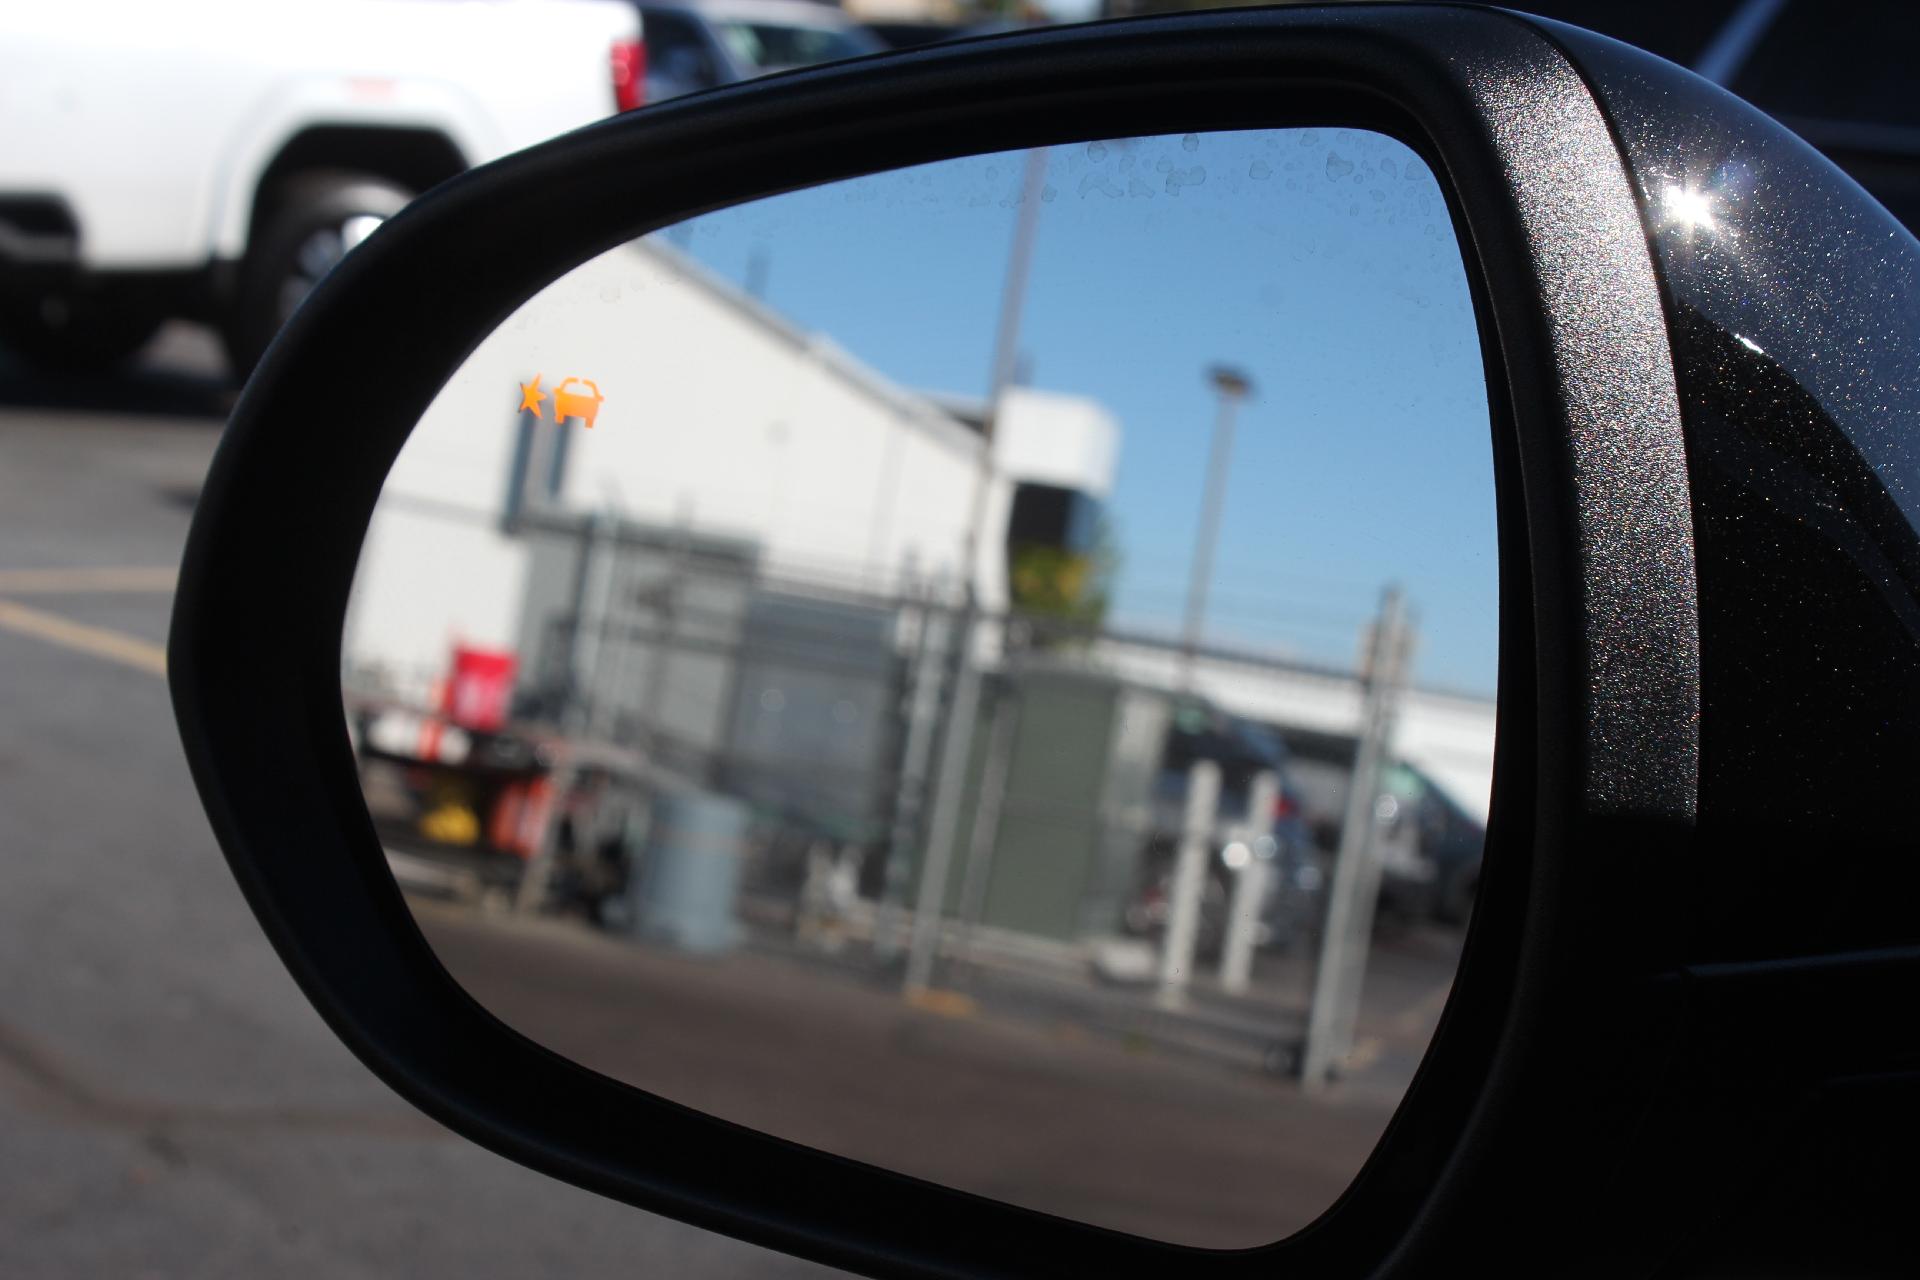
(684, 895)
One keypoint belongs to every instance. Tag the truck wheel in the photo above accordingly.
(76, 332)
(312, 222)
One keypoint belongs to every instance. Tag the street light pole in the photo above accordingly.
(1233, 386)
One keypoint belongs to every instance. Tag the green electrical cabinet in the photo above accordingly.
(1069, 805)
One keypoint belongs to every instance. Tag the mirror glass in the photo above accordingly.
(986, 669)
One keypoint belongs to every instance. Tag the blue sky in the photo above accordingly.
(1321, 262)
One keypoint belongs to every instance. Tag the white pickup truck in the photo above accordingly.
(211, 159)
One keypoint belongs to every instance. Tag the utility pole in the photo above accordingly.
(956, 743)
(1232, 386)
(1348, 933)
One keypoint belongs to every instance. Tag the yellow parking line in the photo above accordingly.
(115, 646)
(74, 581)
(948, 1004)
(1364, 1054)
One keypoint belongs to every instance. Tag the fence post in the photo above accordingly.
(581, 655)
(1189, 882)
(977, 873)
(922, 709)
(536, 876)
(1250, 885)
(1351, 898)
(956, 752)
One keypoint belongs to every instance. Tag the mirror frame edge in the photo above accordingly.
(283, 488)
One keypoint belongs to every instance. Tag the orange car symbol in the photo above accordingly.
(574, 405)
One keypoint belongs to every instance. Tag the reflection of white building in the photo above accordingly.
(719, 419)
(822, 487)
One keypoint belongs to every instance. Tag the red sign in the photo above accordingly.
(481, 687)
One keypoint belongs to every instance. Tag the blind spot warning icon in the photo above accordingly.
(531, 395)
(573, 404)
(566, 403)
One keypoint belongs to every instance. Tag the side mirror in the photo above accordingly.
(1660, 280)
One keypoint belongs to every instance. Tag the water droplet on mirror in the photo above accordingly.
(1259, 170)
(1191, 142)
(1096, 151)
(1185, 178)
(1336, 167)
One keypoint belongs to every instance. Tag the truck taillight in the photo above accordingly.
(628, 62)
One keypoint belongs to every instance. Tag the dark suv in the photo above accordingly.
(698, 44)
(1243, 749)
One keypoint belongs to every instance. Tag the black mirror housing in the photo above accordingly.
(1554, 1048)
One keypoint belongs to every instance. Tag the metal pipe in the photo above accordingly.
(1189, 883)
(1351, 898)
(1249, 885)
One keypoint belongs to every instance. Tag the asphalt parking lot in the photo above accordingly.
(1048, 1110)
(170, 1106)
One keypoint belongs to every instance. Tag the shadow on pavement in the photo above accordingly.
(181, 374)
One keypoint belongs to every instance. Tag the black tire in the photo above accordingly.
(309, 223)
(76, 332)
